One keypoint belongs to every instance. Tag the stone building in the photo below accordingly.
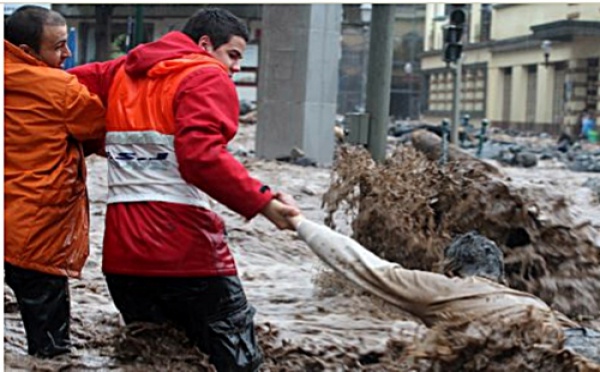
(506, 76)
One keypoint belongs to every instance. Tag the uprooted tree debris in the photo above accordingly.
(407, 209)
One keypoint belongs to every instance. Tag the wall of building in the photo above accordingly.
(434, 19)
(521, 90)
(518, 18)
(408, 43)
(158, 20)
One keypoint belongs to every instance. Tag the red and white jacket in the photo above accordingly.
(171, 110)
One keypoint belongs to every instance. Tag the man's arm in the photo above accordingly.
(97, 77)
(410, 290)
(206, 114)
(84, 114)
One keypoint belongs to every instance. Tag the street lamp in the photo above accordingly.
(546, 47)
(365, 17)
(365, 12)
(408, 70)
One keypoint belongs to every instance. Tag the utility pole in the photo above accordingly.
(139, 25)
(456, 96)
(379, 78)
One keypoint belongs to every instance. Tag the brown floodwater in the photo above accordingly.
(307, 319)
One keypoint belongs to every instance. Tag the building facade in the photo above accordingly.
(119, 21)
(407, 82)
(117, 24)
(507, 77)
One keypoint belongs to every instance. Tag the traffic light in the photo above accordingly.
(453, 33)
(458, 16)
(452, 52)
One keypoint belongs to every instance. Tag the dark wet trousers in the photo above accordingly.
(213, 312)
(43, 301)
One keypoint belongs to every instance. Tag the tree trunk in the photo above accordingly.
(103, 22)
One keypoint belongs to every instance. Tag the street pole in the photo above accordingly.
(413, 40)
(456, 101)
(139, 25)
(379, 78)
(129, 39)
(365, 66)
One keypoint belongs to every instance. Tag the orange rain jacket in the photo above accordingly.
(47, 114)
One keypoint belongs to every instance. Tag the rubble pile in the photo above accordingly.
(514, 148)
(524, 149)
(407, 209)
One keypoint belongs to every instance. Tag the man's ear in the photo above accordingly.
(27, 49)
(205, 43)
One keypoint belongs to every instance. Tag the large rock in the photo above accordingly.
(526, 159)
(585, 162)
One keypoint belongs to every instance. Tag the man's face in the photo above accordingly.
(230, 53)
(53, 47)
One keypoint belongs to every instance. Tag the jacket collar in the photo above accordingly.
(16, 54)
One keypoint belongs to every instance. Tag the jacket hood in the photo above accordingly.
(13, 52)
(172, 46)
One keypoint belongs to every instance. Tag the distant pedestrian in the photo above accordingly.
(588, 125)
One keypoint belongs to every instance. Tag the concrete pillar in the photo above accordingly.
(474, 23)
(598, 102)
(495, 97)
(544, 94)
(297, 89)
(518, 94)
(428, 35)
(576, 94)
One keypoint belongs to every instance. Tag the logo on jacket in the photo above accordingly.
(133, 160)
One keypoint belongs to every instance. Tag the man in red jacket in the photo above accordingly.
(171, 110)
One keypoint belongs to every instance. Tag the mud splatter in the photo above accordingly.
(407, 209)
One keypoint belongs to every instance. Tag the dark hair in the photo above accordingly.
(26, 25)
(473, 254)
(218, 24)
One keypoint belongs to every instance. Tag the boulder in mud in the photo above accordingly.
(472, 254)
(526, 159)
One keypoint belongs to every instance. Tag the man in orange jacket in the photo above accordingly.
(47, 116)
(171, 110)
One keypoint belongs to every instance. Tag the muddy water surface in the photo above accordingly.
(302, 325)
